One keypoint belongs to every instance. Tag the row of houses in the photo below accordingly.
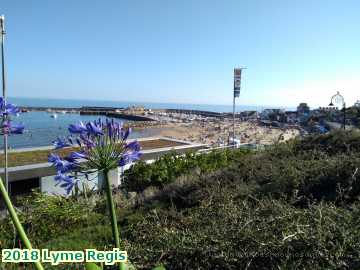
(279, 115)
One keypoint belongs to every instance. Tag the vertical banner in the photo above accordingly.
(237, 81)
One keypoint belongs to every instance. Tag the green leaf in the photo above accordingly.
(160, 267)
(92, 266)
(129, 266)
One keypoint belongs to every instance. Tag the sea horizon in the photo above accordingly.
(77, 103)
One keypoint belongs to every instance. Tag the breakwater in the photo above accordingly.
(42, 109)
(105, 111)
(130, 117)
(221, 115)
(197, 112)
(124, 113)
(128, 113)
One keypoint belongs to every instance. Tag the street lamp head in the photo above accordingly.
(337, 99)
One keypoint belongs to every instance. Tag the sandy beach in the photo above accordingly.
(216, 133)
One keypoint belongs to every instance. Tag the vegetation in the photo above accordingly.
(292, 206)
(353, 115)
(165, 170)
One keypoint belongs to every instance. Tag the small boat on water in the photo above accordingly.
(54, 115)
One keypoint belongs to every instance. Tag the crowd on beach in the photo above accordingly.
(218, 134)
(214, 131)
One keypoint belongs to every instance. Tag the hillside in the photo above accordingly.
(292, 206)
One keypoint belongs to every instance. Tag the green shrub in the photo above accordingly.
(311, 175)
(332, 143)
(46, 217)
(230, 232)
(166, 169)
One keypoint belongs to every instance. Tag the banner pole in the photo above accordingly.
(233, 140)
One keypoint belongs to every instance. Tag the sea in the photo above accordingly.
(41, 129)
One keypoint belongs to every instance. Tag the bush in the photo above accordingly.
(332, 143)
(229, 232)
(166, 169)
(46, 217)
(330, 178)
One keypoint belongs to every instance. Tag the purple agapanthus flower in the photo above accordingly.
(59, 143)
(10, 128)
(62, 165)
(53, 158)
(129, 158)
(62, 177)
(77, 128)
(7, 108)
(66, 181)
(7, 127)
(133, 146)
(78, 155)
(94, 128)
(86, 141)
(125, 134)
(102, 146)
(11, 109)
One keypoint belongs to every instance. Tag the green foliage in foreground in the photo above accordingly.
(45, 217)
(166, 169)
(293, 206)
(230, 232)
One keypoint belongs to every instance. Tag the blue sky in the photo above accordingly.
(184, 51)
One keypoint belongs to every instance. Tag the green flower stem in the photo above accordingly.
(16, 222)
(111, 205)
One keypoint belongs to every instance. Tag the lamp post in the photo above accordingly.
(2, 33)
(339, 99)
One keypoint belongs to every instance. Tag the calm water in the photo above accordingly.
(41, 129)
